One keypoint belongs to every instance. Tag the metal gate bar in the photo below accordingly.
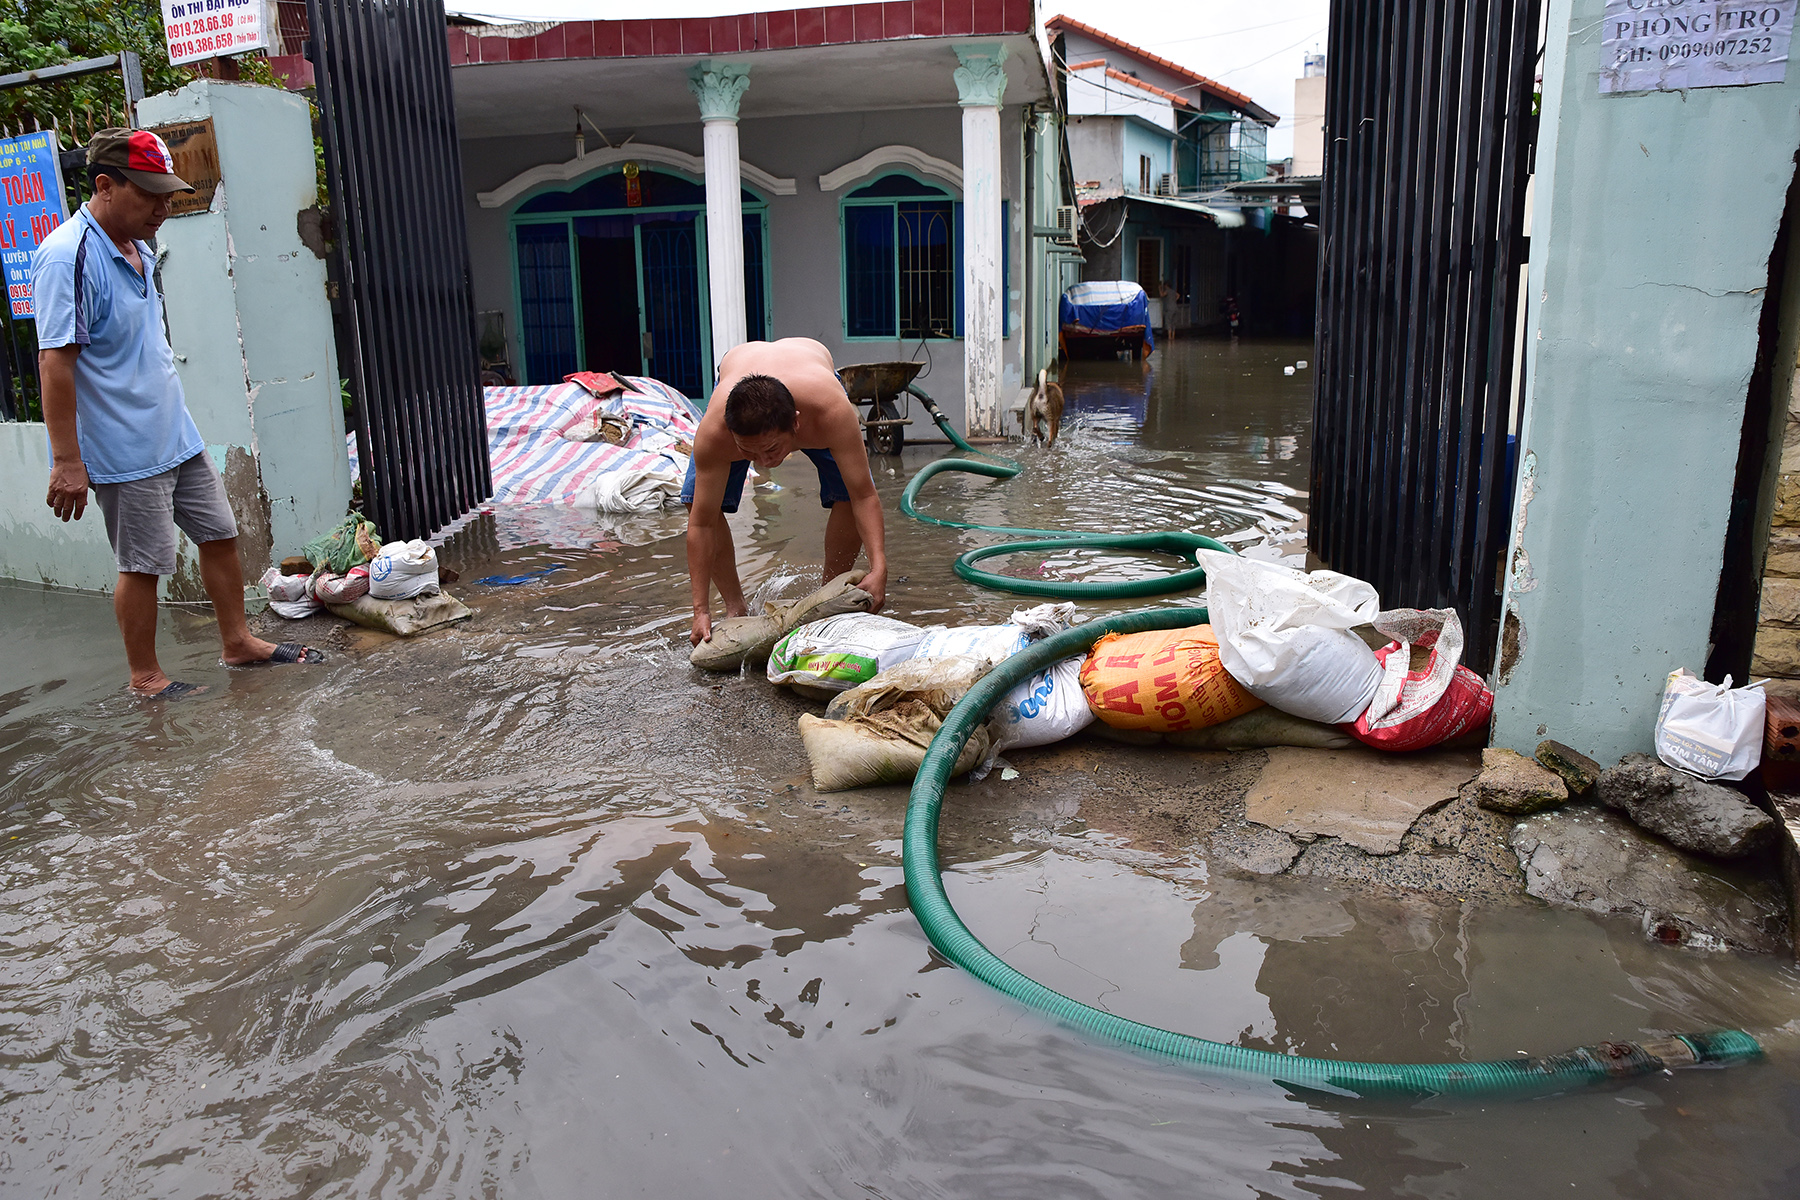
(388, 122)
(1428, 132)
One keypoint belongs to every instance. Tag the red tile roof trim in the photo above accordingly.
(1134, 81)
(1174, 68)
(886, 20)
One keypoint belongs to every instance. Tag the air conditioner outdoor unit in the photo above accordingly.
(1165, 185)
(1067, 223)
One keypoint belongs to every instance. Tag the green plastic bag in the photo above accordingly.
(349, 545)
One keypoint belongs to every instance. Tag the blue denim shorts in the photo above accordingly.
(831, 482)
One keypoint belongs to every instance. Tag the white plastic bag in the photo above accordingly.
(1045, 708)
(403, 570)
(1708, 729)
(841, 652)
(288, 594)
(1285, 635)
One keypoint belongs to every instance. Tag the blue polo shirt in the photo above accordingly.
(131, 418)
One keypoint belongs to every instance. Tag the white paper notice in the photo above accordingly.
(1667, 45)
(199, 29)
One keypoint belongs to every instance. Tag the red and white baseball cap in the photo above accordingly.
(140, 156)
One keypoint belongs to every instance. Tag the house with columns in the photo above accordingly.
(642, 195)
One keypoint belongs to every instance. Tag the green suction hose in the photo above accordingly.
(951, 938)
(1174, 542)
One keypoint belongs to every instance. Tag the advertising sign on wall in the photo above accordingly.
(198, 29)
(1668, 45)
(31, 205)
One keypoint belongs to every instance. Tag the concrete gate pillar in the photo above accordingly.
(719, 87)
(249, 320)
(980, 82)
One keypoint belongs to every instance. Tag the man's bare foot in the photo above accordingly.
(151, 683)
(157, 686)
(250, 650)
(278, 655)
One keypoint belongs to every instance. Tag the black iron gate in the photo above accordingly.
(388, 121)
(1428, 135)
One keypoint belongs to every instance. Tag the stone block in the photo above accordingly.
(1784, 555)
(1513, 784)
(1777, 652)
(1787, 498)
(1578, 771)
(1689, 813)
(1585, 857)
(1780, 604)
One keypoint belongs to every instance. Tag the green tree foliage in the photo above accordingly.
(47, 33)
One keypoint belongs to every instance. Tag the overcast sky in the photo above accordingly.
(1254, 48)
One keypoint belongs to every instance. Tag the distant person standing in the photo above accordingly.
(117, 418)
(1229, 306)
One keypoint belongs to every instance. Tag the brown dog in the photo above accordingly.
(1044, 408)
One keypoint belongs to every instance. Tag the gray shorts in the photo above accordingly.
(141, 514)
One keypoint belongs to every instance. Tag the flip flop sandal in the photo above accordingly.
(285, 653)
(176, 690)
(294, 652)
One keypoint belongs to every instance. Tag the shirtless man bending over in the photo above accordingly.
(775, 398)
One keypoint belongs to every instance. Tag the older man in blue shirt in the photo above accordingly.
(117, 418)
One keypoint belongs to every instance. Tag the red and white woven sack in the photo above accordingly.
(1415, 709)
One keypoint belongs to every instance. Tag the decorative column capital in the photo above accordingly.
(719, 86)
(980, 80)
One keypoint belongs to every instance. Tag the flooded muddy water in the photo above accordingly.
(529, 908)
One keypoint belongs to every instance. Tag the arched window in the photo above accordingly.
(902, 264)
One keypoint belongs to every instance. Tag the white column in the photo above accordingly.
(980, 82)
(719, 87)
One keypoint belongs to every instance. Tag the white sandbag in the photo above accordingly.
(996, 643)
(841, 652)
(990, 643)
(739, 640)
(632, 490)
(1709, 729)
(403, 570)
(288, 595)
(1045, 708)
(1285, 635)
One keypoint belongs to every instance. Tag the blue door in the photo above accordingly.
(668, 252)
(546, 302)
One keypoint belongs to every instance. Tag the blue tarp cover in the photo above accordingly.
(1105, 305)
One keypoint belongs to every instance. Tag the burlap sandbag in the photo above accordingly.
(939, 682)
(1265, 726)
(882, 748)
(737, 640)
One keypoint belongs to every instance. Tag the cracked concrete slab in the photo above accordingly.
(1361, 796)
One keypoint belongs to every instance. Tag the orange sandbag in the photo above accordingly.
(1164, 680)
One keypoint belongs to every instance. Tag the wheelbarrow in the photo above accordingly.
(882, 386)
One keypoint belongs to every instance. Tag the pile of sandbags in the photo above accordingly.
(393, 587)
(894, 684)
(1281, 664)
